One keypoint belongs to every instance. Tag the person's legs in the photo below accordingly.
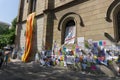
(6, 60)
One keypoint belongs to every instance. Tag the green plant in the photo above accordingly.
(8, 35)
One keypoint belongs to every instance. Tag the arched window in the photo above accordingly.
(69, 32)
(68, 21)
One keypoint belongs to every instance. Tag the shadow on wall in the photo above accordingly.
(49, 25)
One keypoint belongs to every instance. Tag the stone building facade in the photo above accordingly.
(92, 18)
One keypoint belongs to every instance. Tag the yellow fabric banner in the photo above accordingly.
(29, 31)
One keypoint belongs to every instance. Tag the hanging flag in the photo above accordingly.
(28, 42)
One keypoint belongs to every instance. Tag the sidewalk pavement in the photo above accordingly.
(16, 70)
(15, 60)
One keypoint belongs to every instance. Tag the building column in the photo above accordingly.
(49, 25)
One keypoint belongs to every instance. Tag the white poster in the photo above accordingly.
(70, 60)
(81, 42)
(70, 35)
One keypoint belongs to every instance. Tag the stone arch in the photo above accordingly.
(68, 16)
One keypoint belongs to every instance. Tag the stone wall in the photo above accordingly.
(93, 13)
(25, 10)
(22, 35)
(61, 2)
(40, 6)
(40, 32)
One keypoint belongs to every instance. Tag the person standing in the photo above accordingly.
(6, 58)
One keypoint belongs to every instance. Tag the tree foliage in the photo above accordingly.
(8, 35)
(3, 29)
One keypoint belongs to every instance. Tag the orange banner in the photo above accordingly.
(29, 31)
